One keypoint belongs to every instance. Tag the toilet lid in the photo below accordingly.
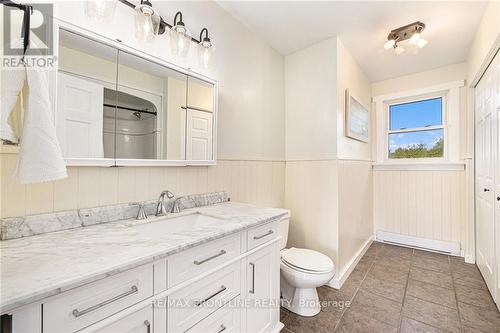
(307, 260)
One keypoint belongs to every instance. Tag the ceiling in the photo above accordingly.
(289, 26)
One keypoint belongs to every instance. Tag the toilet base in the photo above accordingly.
(301, 301)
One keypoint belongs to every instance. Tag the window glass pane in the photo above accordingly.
(416, 144)
(416, 114)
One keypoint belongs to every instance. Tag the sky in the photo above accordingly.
(416, 114)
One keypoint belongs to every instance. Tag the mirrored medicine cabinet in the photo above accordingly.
(115, 107)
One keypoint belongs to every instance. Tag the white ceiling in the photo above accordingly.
(289, 26)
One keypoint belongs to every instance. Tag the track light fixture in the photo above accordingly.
(149, 23)
(411, 32)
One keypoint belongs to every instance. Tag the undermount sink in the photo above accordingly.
(170, 224)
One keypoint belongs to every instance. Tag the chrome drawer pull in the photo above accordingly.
(270, 232)
(78, 313)
(252, 291)
(198, 303)
(222, 252)
(222, 328)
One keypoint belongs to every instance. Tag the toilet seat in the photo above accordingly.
(307, 261)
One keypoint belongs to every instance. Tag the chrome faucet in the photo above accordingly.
(160, 206)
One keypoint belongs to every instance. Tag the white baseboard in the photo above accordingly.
(337, 281)
(450, 248)
(470, 259)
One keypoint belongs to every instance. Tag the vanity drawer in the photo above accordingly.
(198, 300)
(140, 321)
(226, 319)
(83, 306)
(262, 234)
(191, 263)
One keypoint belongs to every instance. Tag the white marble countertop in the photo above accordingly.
(36, 267)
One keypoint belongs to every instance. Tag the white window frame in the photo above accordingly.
(444, 107)
(450, 92)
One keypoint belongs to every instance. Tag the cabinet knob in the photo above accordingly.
(498, 198)
(486, 190)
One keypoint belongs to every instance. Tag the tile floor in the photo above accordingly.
(396, 289)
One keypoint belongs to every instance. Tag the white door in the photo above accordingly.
(198, 135)
(496, 151)
(262, 290)
(79, 117)
(137, 322)
(486, 151)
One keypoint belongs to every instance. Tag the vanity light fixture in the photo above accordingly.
(411, 32)
(179, 38)
(149, 23)
(206, 49)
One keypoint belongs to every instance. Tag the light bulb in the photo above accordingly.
(415, 38)
(398, 49)
(101, 10)
(389, 44)
(422, 42)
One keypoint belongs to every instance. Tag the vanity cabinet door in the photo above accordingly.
(262, 290)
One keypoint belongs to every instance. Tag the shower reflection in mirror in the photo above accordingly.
(113, 105)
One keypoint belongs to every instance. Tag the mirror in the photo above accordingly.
(86, 82)
(150, 121)
(113, 104)
(199, 119)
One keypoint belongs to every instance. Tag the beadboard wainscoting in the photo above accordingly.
(257, 182)
(312, 197)
(331, 205)
(421, 203)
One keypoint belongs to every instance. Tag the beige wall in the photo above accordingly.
(350, 76)
(328, 187)
(486, 36)
(310, 101)
(355, 190)
(251, 122)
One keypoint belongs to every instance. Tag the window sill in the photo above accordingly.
(419, 166)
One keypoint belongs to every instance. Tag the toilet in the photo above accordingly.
(301, 272)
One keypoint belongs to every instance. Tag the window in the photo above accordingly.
(416, 129)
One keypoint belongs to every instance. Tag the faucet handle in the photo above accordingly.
(141, 213)
(169, 194)
(160, 208)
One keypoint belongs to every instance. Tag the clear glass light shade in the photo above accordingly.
(389, 44)
(422, 42)
(206, 54)
(147, 23)
(414, 38)
(179, 41)
(101, 10)
(398, 49)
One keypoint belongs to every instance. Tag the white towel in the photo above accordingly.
(40, 158)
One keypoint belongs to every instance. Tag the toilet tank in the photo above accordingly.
(283, 231)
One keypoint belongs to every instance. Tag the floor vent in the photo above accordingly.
(445, 247)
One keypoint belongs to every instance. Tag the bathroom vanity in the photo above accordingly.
(207, 269)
